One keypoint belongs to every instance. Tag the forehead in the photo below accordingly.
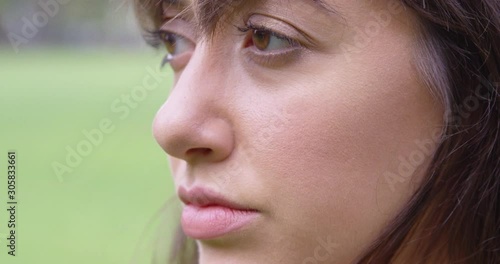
(207, 13)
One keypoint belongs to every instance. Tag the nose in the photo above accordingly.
(194, 123)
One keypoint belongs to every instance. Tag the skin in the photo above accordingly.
(305, 139)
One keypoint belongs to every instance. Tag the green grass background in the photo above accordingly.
(100, 211)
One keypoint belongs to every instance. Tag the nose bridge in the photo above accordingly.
(202, 81)
(198, 76)
(193, 124)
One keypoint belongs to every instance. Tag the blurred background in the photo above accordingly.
(78, 93)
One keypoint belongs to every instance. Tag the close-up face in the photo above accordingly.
(291, 129)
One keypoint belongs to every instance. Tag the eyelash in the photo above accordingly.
(153, 38)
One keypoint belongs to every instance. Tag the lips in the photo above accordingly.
(208, 215)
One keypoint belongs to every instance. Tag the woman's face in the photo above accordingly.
(297, 146)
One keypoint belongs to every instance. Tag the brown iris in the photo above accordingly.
(261, 39)
(170, 42)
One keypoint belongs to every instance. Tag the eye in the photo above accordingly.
(266, 40)
(176, 45)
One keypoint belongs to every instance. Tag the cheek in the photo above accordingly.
(176, 168)
(330, 150)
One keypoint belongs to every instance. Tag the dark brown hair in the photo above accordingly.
(454, 217)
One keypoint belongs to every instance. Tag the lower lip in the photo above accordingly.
(213, 221)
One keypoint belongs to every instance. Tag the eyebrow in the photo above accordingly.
(209, 12)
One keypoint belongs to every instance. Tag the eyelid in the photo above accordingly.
(180, 27)
(273, 59)
(280, 28)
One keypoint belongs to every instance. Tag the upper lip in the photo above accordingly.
(202, 197)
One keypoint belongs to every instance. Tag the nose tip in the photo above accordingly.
(182, 138)
(195, 124)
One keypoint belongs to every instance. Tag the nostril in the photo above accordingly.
(186, 138)
(199, 151)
